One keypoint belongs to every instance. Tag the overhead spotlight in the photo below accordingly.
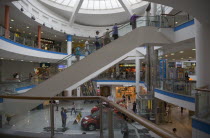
(21, 9)
(43, 24)
(32, 17)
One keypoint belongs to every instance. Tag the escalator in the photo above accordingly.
(88, 68)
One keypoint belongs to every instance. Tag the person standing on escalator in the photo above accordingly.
(115, 31)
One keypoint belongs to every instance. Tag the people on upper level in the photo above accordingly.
(115, 31)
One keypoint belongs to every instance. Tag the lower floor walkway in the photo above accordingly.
(181, 121)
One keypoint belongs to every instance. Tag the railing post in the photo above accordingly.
(101, 119)
(197, 104)
(52, 118)
(110, 123)
(14, 38)
(24, 41)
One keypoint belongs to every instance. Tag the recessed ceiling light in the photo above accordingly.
(42, 32)
(12, 59)
(176, 22)
(31, 61)
(193, 49)
(182, 58)
(190, 57)
(10, 27)
(35, 35)
(181, 52)
(12, 20)
(27, 27)
(22, 60)
(2, 58)
(172, 54)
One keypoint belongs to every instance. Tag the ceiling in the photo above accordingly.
(95, 17)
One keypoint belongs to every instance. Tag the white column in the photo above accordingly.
(78, 91)
(69, 93)
(153, 9)
(137, 62)
(69, 49)
(202, 42)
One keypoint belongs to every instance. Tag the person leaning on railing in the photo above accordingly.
(133, 21)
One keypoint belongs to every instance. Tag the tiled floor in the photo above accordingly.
(182, 122)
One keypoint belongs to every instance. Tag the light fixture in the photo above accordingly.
(12, 20)
(166, 55)
(12, 59)
(176, 22)
(22, 60)
(29, 33)
(42, 32)
(182, 58)
(190, 57)
(173, 59)
(10, 27)
(31, 61)
(22, 9)
(2, 58)
(172, 54)
(35, 35)
(194, 49)
(27, 27)
(48, 62)
(181, 52)
(66, 40)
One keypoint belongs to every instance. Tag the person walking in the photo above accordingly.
(124, 98)
(97, 43)
(115, 31)
(133, 21)
(77, 53)
(73, 108)
(87, 50)
(62, 116)
(106, 37)
(134, 106)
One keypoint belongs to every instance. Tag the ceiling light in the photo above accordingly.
(29, 33)
(66, 40)
(181, 52)
(173, 59)
(31, 61)
(190, 57)
(2, 58)
(35, 35)
(22, 60)
(12, 20)
(176, 22)
(27, 27)
(172, 54)
(42, 32)
(12, 59)
(182, 58)
(10, 27)
(193, 49)
(48, 62)
(166, 55)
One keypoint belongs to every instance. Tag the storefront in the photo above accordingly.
(127, 91)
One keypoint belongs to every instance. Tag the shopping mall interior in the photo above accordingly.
(104, 68)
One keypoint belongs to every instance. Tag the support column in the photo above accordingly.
(69, 49)
(78, 91)
(137, 62)
(153, 9)
(39, 37)
(202, 42)
(6, 21)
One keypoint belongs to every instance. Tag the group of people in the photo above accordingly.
(129, 100)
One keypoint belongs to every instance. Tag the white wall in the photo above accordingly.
(180, 35)
(8, 68)
(175, 101)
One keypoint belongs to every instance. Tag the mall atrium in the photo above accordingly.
(104, 68)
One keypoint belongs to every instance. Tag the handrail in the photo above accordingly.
(204, 89)
(153, 127)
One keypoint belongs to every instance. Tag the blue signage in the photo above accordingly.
(69, 38)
